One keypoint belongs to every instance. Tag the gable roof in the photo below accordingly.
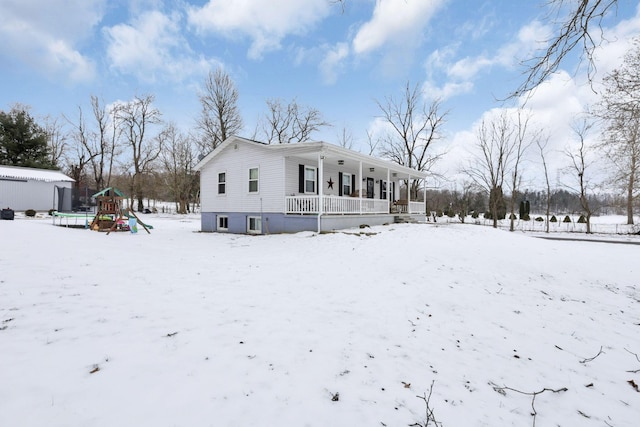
(109, 191)
(213, 154)
(16, 173)
(314, 149)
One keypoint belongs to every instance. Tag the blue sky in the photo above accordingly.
(56, 53)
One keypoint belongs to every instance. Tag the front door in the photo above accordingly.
(370, 183)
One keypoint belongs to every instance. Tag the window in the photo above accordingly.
(223, 223)
(254, 224)
(222, 183)
(310, 179)
(253, 180)
(383, 189)
(346, 184)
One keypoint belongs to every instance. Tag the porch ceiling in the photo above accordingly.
(350, 160)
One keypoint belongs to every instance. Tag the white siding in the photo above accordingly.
(236, 162)
(37, 195)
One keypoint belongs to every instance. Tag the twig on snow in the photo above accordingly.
(591, 358)
(638, 359)
(429, 411)
(630, 352)
(501, 390)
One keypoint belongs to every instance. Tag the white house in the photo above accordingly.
(251, 187)
(38, 189)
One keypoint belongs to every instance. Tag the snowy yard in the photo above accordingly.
(180, 328)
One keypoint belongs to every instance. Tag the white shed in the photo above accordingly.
(38, 189)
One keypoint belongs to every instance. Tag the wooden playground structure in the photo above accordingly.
(110, 214)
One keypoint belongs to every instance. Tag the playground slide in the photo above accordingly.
(150, 227)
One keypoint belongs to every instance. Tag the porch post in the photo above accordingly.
(360, 186)
(388, 184)
(409, 195)
(424, 191)
(320, 189)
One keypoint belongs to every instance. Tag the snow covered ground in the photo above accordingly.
(180, 328)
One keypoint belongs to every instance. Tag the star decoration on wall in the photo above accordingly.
(330, 182)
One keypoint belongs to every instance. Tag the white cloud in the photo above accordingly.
(332, 63)
(616, 43)
(459, 75)
(447, 91)
(467, 68)
(45, 35)
(152, 48)
(509, 55)
(397, 23)
(265, 22)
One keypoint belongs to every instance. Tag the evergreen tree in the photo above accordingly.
(22, 141)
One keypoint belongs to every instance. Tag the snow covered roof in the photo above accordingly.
(32, 174)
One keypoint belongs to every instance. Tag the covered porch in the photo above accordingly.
(336, 181)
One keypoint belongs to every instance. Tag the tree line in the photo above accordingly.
(467, 201)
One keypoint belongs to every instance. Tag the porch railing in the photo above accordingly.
(417, 208)
(335, 205)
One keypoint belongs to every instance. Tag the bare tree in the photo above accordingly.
(580, 167)
(135, 117)
(219, 115)
(575, 22)
(372, 143)
(104, 143)
(178, 158)
(97, 145)
(523, 138)
(542, 145)
(57, 139)
(490, 164)
(620, 109)
(345, 138)
(77, 164)
(415, 125)
(623, 152)
(284, 124)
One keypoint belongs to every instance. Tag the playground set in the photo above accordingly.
(110, 214)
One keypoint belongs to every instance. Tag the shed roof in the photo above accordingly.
(16, 173)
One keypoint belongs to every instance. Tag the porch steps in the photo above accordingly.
(404, 219)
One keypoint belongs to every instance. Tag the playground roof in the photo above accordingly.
(110, 191)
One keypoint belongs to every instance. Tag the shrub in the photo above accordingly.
(553, 219)
(525, 217)
(582, 220)
(566, 219)
(30, 212)
(539, 219)
(513, 216)
(475, 214)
